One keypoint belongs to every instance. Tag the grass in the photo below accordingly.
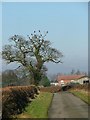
(38, 108)
(82, 95)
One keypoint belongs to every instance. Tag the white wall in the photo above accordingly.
(82, 79)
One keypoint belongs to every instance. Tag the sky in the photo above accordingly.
(0, 35)
(67, 25)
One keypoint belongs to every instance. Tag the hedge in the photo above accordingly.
(15, 99)
(85, 87)
(52, 89)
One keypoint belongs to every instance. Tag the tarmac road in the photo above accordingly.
(66, 105)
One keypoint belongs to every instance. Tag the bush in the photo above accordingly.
(45, 82)
(14, 99)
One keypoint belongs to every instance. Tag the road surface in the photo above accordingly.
(66, 105)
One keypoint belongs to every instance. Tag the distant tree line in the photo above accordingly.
(21, 77)
(74, 72)
(78, 72)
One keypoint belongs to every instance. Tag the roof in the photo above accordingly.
(69, 77)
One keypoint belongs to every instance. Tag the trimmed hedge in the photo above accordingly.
(15, 99)
(52, 89)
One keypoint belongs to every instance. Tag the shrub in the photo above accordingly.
(80, 87)
(45, 81)
(14, 99)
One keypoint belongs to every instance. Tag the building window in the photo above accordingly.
(87, 81)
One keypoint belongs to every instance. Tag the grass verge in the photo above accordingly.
(38, 108)
(82, 95)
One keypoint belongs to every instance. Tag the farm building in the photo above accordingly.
(54, 83)
(65, 79)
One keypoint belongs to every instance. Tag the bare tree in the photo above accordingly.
(78, 72)
(32, 53)
(72, 72)
(9, 77)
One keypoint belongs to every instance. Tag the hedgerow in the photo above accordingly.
(51, 89)
(15, 99)
(85, 87)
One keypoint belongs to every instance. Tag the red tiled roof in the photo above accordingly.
(69, 77)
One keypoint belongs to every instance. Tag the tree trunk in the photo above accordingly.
(35, 77)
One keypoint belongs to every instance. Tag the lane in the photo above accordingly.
(0, 103)
(66, 105)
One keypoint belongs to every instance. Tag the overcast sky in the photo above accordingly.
(67, 24)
